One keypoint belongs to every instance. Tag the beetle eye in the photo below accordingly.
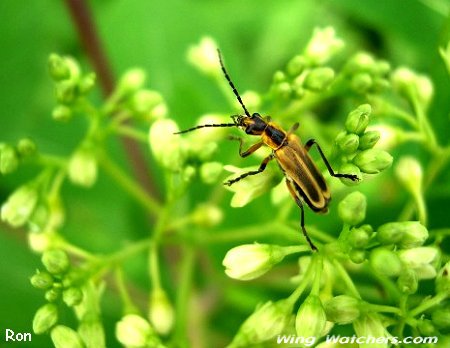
(256, 115)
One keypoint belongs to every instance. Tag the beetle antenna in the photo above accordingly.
(207, 125)
(227, 76)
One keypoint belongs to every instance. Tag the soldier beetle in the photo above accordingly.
(303, 179)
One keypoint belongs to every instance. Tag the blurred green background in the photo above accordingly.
(256, 38)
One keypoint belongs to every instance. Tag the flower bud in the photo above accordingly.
(323, 46)
(283, 90)
(412, 85)
(370, 325)
(358, 119)
(133, 330)
(92, 333)
(443, 279)
(406, 234)
(8, 159)
(420, 260)
(373, 161)
(352, 209)
(349, 168)
(55, 261)
(62, 113)
(66, 91)
(358, 237)
(210, 171)
(311, 318)
(267, 321)
(441, 317)
(87, 83)
(53, 294)
(72, 296)
(42, 280)
(130, 82)
(348, 144)
(58, 67)
(26, 147)
(357, 256)
(385, 262)
(207, 215)
(361, 82)
(409, 173)
(319, 79)
(203, 56)
(165, 145)
(253, 186)
(360, 62)
(342, 309)
(249, 261)
(83, 167)
(45, 318)
(145, 103)
(368, 140)
(407, 282)
(251, 99)
(296, 65)
(161, 312)
(20, 205)
(39, 242)
(64, 337)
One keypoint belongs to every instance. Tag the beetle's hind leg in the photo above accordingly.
(250, 150)
(261, 168)
(302, 213)
(312, 142)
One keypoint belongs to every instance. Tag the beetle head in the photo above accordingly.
(253, 125)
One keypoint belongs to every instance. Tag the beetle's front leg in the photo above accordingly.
(250, 150)
(312, 142)
(261, 168)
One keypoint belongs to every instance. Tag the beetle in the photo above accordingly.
(303, 179)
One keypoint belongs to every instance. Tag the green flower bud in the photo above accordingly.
(406, 234)
(382, 67)
(361, 82)
(358, 237)
(251, 99)
(188, 173)
(87, 83)
(357, 256)
(420, 260)
(349, 168)
(64, 337)
(296, 65)
(20, 205)
(133, 330)
(39, 242)
(45, 318)
(360, 62)
(358, 119)
(207, 215)
(370, 325)
(443, 279)
(55, 261)
(441, 317)
(42, 280)
(352, 209)
(278, 77)
(253, 186)
(283, 90)
(62, 113)
(380, 85)
(368, 140)
(72, 296)
(148, 104)
(210, 171)
(8, 159)
(166, 146)
(267, 321)
(311, 318)
(66, 91)
(130, 82)
(342, 309)
(26, 147)
(413, 86)
(348, 144)
(407, 282)
(250, 261)
(53, 294)
(385, 262)
(58, 67)
(161, 313)
(319, 79)
(323, 46)
(409, 173)
(373, 161)
(83, 167)
(203, 56)
(92, 333)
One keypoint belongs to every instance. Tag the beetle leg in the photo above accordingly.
(261, 168)
(312, 142)
(250, 150)
(302, 213)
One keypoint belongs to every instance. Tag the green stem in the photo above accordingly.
(130, 186)
(128, 304)
(132, 133)
(304, 282)
(385, 309)
(431, 302)
(343, 274)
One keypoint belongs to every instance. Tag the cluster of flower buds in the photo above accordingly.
(12, 155)
(356, 146)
